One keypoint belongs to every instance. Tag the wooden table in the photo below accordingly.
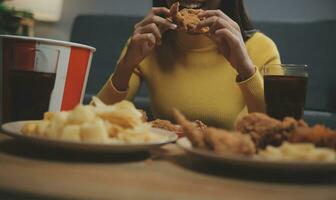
(28, 172)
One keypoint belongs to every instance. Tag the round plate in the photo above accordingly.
(13, 129)
(254, 161)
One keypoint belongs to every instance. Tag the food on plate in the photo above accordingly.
(293, 136)
(195, 135)
(187, 19)
(168, 125)
(98, 123)
(299, 152)
(200, 125)
(318, 135)
(265, 130)
(217, 140)
(264, 137)
(144, 117)
(221, 142)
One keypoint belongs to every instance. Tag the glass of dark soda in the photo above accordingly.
(28, 81)
(285, 87)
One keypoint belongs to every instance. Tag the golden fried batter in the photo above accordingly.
(187, 19)
(223, 142)
(291, 124)
(217, 140)
(256, 130)
(200, 125)
(318, 135)
(167, 125)
(194, 134)
(265, 130)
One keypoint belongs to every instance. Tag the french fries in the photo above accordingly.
(299, 151)
(96, 123)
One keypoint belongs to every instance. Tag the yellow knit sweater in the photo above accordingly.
(189, 74)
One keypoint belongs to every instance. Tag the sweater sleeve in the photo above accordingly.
(253, 92)
(262, 51)
(109, 94)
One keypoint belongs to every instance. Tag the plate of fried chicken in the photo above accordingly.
(260, 141)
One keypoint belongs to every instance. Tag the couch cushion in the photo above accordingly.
(315, 117)
(314, 44)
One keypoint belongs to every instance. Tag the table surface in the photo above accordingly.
(31, 172)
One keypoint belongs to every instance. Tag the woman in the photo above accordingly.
(214, 78)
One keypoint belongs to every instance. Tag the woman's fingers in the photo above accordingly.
(216, 23)
(231, 38)
(210, 13)
(142, 38)
(221, 26)
(161, 11)
(162, 23)
(150, 28)
(155, 17)
(159, 21)
(219, 14)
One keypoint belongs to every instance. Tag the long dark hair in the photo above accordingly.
(235, 9)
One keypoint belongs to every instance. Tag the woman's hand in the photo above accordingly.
(227, 35)
(147, 34)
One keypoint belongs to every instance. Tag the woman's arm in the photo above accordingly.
(227, 35)
(262, 51)
(147, 34)
(109, 94)
(247, 62)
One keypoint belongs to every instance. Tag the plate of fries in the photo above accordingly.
(96, 127)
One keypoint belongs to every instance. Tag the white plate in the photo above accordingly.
(13, 129)
(255, 162)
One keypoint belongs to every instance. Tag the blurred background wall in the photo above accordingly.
(260, 10)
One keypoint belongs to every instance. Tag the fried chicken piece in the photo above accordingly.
(217, 140)
(200, 125)
(265, 130)
(187, 19)
(224, 142)
(167, 125)
(289, 124)
(318, 135)
(194, 134)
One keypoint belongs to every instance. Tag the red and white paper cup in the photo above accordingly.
(70, 62)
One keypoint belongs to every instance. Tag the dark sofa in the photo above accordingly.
(311, 43)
